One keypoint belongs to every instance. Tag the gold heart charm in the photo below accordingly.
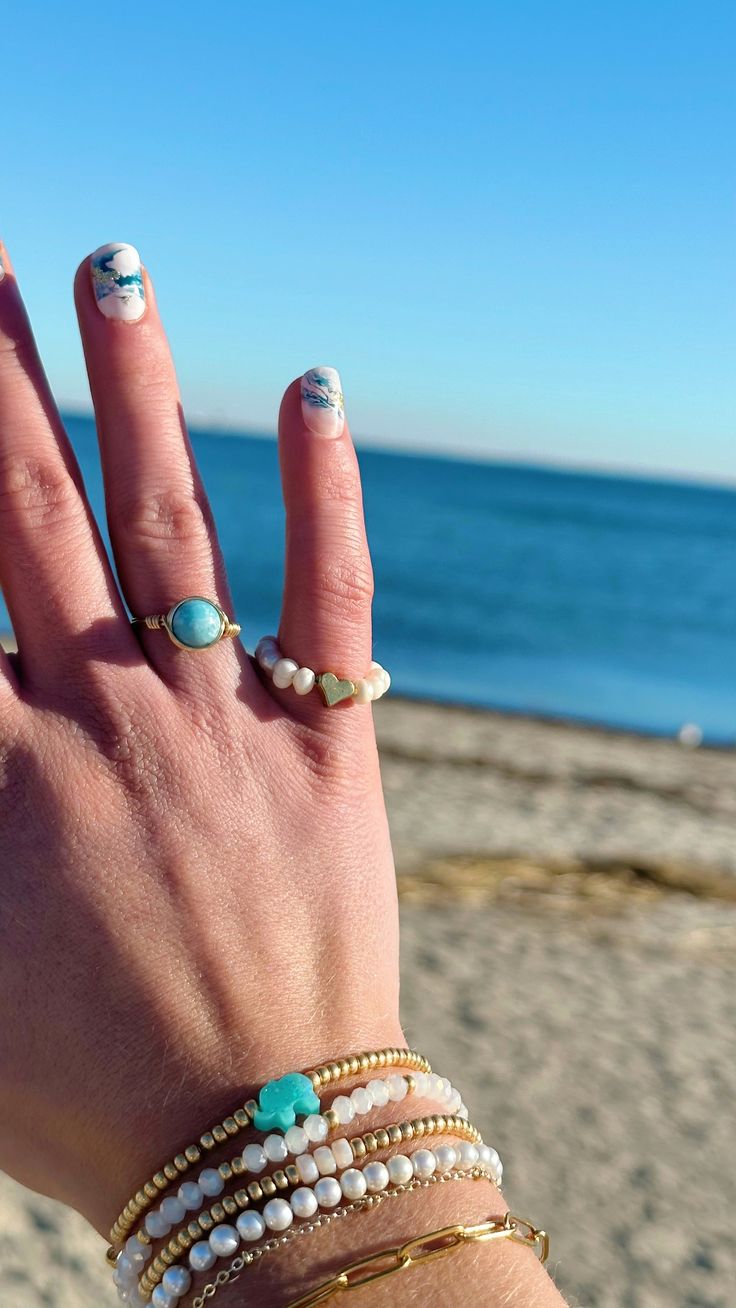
(335, 688)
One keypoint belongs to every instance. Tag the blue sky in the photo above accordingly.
(511, 226)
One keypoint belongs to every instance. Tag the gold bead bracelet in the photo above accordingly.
(284, 1178)
(175, 1169)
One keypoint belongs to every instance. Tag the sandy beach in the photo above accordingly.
(569, 949)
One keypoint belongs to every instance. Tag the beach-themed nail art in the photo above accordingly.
(323, 405)
(117, 281)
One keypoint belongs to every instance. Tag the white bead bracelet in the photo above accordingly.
(278, 1214)
(297, 1141)
(285, 672)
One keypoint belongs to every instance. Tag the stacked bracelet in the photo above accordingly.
(208, 1226)
(322, 1176)
(241, 1118)
(297, 1140)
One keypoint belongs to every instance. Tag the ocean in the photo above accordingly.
(600, 598)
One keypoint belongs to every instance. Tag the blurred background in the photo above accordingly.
(511, 228)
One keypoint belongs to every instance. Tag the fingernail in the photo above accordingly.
(117, 282)
(323, 405)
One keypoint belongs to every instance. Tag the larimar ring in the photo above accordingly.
(193, 623)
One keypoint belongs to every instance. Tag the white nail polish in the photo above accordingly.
(323, 406)
(117, 282)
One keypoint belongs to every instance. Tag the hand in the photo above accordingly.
(197, 883)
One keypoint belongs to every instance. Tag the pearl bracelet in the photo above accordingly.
(286, 672)
(296, 1140)
(237, 1122)
(250, 1256)
(324, 1162)
(278, 1213)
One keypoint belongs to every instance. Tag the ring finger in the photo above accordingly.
(160, 523)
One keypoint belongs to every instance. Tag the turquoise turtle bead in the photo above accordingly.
(197, 623)
(281, 1100)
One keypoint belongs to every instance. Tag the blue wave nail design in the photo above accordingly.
(323, 403)
(118, 282)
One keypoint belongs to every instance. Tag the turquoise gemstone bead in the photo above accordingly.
(281, 1100)
(196, 623)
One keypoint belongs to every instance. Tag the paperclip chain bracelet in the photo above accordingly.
(244, 1260)
(423, 1249)
(241, 1118)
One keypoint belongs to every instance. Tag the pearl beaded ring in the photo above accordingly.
(286, 672)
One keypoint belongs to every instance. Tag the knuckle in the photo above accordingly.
(175, 515)
(38, 489)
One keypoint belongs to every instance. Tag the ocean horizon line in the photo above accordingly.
(468, 455)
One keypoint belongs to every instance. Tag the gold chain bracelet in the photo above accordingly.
(424, 1249)
(241, 1118)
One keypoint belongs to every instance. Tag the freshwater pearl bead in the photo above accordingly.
(400, 1169)
(435, 1086)
(342, 1153)
(254, 1158)
(284, 672)
(173, 1210)
(275, 1148)
(156, 1225)
(191, 1195)
(251, 1225)
(307, 1168)
(468, 1154)
(423, 1163)
(454, 1101)
(316, 1128)
(362, 1100)
(176, 1280)
(327, 1192)
(378, 1091)
(161, 1299)
(304, 1202)
(353, 1183)
(201, 1257)
(397, 1087)
(463, 1112)
(224, 1240)
(304, 680)
(344, 1108)
(376, 1176)
(267, 653)
(277, 1214)
(325, 1160)
(364, 691)
(210, 1182)
(446, 1157)
(297, 1140)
